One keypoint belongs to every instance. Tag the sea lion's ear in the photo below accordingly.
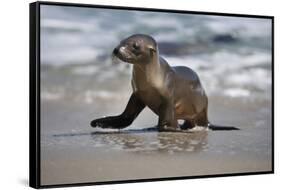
(152, 49)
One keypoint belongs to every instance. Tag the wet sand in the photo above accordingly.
(72, 152)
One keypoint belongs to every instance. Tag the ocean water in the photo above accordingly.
(232, 55)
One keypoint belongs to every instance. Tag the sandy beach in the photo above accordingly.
(78, 153)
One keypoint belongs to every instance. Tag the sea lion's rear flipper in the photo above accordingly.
(221, 128)
(202, 120)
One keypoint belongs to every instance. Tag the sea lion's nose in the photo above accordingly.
(115, 51)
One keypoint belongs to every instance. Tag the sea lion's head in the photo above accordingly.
(136, 49)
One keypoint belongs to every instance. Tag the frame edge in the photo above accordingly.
(34, 160)
(34, 108)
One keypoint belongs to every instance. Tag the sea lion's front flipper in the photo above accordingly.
(133, 108)
(167, 121)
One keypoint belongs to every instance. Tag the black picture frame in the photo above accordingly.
(34, 98)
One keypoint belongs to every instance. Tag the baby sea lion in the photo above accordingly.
(172, 93)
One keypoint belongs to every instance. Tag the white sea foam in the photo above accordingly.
(90, 96)
(167, 37)
(198, 128)
(257, 77)
(51, 96)
(85, 70)
(64, 24)
(244, 27)
(223, 69)
(73, 56)
(153, 20)
(237, 92)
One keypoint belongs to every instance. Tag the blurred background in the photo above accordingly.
(232, 55)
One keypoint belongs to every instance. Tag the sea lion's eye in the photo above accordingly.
(136, 46)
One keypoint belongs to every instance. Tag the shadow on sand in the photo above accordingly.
(115, 131)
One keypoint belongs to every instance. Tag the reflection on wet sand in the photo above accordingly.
(152, 142)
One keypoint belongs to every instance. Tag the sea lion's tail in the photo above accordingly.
(221, 128)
